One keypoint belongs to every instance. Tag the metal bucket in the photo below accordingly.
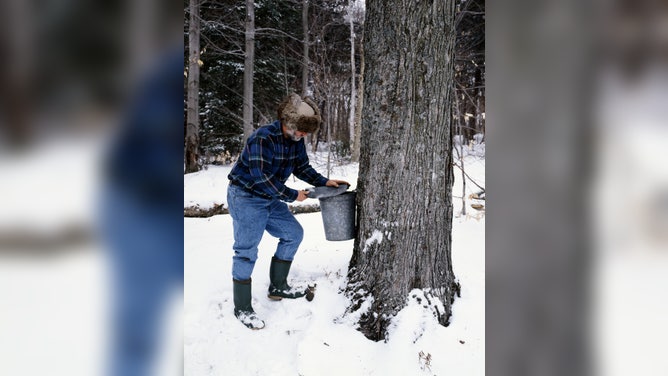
(338, 216)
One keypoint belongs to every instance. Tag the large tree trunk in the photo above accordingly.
(249, 62)
(192, 123)
(404, 191)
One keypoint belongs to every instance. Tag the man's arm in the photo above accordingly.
(304, 171)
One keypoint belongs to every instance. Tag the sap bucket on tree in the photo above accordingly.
(338, 211)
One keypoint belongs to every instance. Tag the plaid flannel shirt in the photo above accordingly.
(267, 162)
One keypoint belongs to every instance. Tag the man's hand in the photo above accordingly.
(335, 183)
(302, 195)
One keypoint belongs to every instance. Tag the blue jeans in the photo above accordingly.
(146, 252)
(251, 216)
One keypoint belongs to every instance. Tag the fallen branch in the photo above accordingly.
(467, 175)
(218, 209)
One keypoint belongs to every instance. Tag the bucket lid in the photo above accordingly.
(322, 192)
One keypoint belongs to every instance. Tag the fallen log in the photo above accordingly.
(218, 209)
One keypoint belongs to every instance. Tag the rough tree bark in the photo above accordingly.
(404, 203)
(249, 61)
(192, 122)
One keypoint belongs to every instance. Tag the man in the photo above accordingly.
(255, 194)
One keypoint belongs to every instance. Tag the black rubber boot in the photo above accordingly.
(243, 310)
(279, 288)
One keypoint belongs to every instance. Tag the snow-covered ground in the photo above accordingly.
(53, 289)
(314, 338)
(55, 301)
(55, 305)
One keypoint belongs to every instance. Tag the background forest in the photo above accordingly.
(312, 48)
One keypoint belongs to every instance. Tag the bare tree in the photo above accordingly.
(353, 89)
(305, 55)
(358, 109)
(249, 62)
(404, 203)
(192, 122)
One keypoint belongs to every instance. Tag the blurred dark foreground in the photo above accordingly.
(577, 244)
(91, 145)
(91, 171)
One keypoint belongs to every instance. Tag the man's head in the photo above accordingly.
(298, 116)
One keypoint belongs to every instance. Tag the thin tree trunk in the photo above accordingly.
(480, 121)
(286, 86)
(340, 132)
(358, 108)
(305, 55)
(249, 61)
(311, 139)
(460, 153)
(329, 151)
(353, 100)
(403, 245)
(192, 123)
(461, 162)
